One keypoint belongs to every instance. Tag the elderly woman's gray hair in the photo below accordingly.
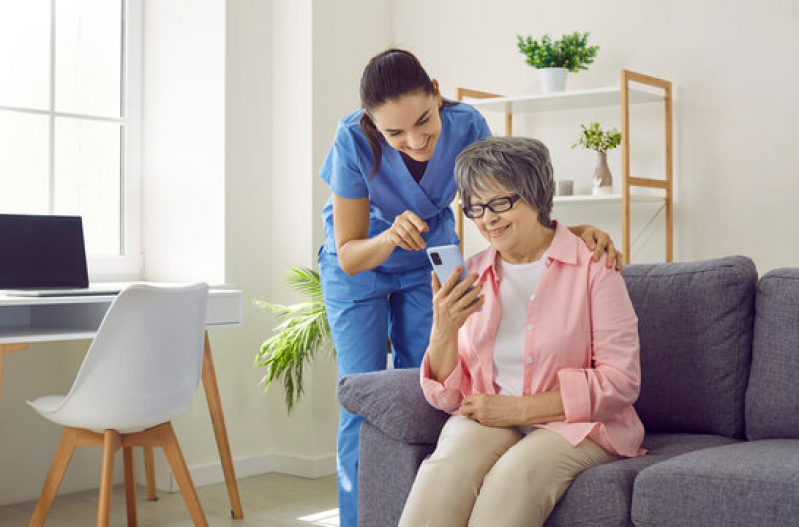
(520, 164)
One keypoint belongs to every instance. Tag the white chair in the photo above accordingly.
(139, 374)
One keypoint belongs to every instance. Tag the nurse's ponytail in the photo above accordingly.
(389, 75)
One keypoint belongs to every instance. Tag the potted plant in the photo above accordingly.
(554, 59)
(303, 330)
(594, 138)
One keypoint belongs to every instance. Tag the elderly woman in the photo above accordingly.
(535, 355)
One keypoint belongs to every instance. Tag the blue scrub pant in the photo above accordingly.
(364, 311)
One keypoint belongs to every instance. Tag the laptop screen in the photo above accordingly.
(42, 251)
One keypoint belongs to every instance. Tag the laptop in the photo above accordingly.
(45, 256)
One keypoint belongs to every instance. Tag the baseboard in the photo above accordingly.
(211, 473)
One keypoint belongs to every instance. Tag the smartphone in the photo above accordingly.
(445, 258)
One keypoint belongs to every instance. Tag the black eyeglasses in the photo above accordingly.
(496, 205)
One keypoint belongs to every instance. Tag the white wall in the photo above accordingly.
(274, 78)
(735, 73)
(183, 140)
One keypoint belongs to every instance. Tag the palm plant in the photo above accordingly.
(302, 331)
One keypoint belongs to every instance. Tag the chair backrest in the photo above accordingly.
(144, 364)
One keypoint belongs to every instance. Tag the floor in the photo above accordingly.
(268, 500)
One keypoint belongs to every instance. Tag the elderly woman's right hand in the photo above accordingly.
(453, 302)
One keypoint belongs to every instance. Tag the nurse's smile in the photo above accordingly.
(411, 123)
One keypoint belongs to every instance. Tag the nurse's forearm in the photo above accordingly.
(360, 255)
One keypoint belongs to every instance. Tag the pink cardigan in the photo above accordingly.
(582, 337)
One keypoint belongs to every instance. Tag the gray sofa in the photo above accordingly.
(719, 400)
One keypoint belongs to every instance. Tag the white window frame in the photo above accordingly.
(127, 265)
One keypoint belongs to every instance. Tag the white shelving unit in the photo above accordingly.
(652, 90)
(562, 101)
(608, 199)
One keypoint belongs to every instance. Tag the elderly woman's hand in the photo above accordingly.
(453, 302)
(492, 410)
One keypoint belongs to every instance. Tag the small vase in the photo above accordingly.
(603, 180)
(552, 79)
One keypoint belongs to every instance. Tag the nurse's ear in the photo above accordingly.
(437, 95)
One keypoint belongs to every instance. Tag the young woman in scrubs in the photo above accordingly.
(390, 171)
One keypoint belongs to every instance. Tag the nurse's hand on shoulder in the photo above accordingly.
(453, 302)
(406, 232)
(599, 241)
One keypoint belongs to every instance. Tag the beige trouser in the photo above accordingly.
(484, 476)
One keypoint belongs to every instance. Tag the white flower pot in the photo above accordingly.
(552, 79)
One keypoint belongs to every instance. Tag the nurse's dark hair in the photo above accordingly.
(519, 164)
(389, 75)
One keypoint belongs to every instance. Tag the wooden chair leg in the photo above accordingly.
(169, 442)
(130, 486)
(63, 455)
(149, 473)
(111, 443)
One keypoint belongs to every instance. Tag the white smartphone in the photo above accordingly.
(445, 258)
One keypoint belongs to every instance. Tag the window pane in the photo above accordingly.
(87, 180)
(25, 53)
(24, 162)
(88, 57)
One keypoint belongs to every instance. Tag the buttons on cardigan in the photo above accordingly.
(529, 327)
(529, 360)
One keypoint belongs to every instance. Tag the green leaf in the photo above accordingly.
(594, 138)
(571, 51)
(302, 330)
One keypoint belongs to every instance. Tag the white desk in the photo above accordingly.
(48, 319)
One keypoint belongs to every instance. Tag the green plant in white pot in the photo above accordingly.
(594, 138)
(554, 59)
(303, 330)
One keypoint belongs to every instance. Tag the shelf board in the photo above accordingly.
(606, 199)
(11, 334)
(566, 100)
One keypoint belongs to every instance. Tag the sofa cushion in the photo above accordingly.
(749, 483)
(393, 401)
(695, 324)
(772, 398)
(386, 472)
(602, 496)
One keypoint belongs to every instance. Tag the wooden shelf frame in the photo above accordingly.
(628, 181)
(629, 95)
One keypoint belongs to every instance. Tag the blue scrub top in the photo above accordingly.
(393, 190)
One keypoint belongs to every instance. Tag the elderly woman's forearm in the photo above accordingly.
(542, 408)
(442, 357)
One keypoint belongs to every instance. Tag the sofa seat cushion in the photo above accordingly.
(602, 496)
(745, 484)
(772, 398)
(392, 400)
(695, 325)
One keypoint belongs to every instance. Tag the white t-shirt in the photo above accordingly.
(516, 290)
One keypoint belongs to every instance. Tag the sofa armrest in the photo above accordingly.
(392, 401)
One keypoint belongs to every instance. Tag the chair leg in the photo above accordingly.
(111, 443)
(61, 459)
(169, 442)
(149, 473)
(130, 486)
